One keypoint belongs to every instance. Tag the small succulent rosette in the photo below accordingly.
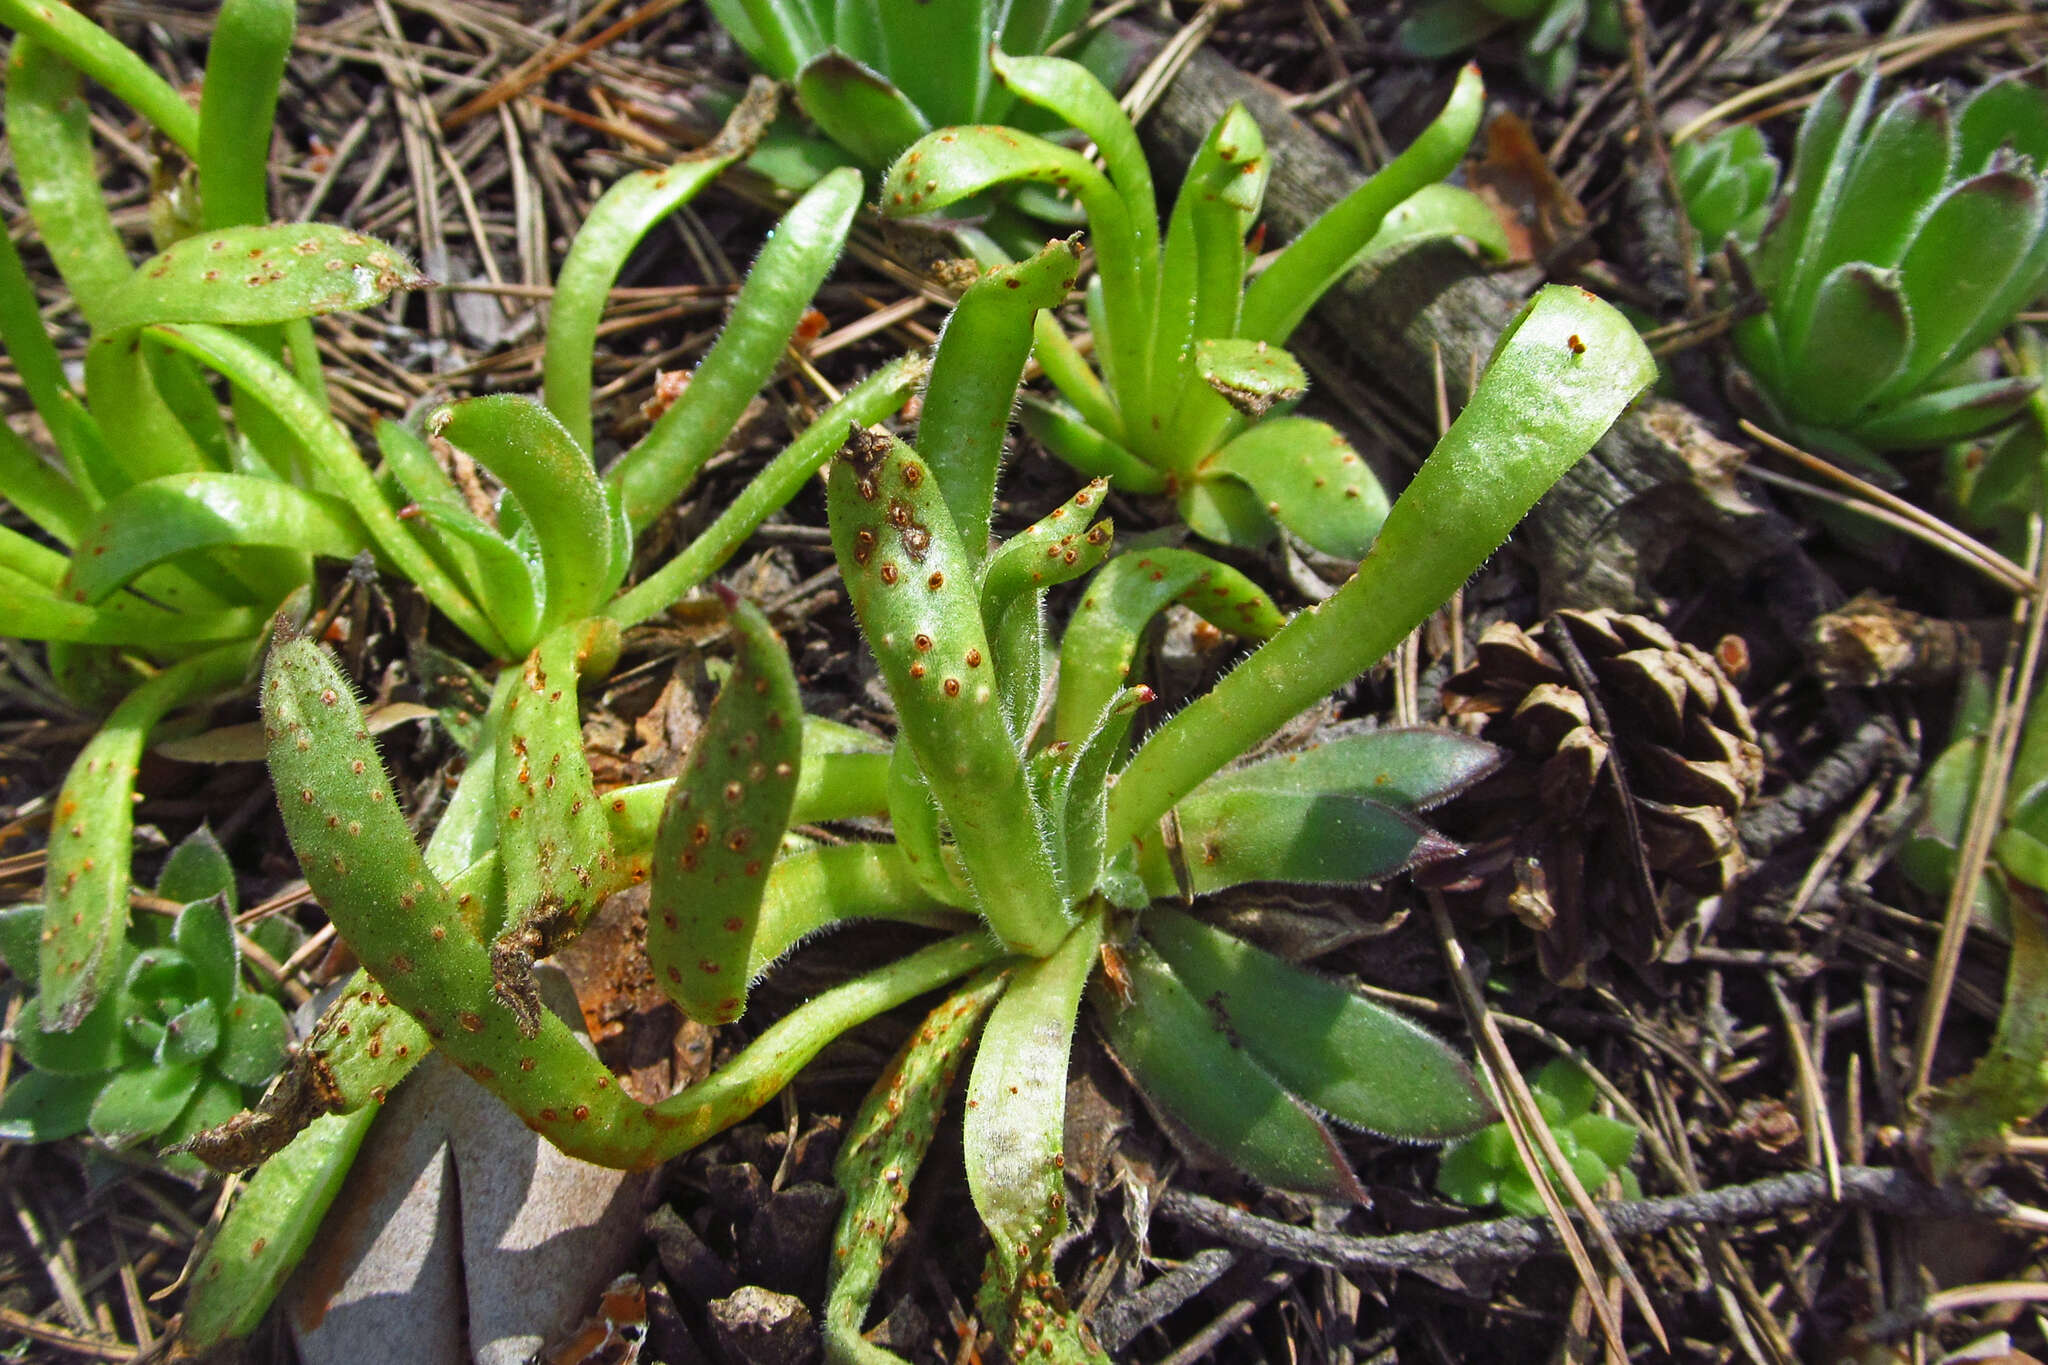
(1484, 1168)
(1904, 240)
(1546, 34)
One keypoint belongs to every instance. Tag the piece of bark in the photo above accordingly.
(1659, 482)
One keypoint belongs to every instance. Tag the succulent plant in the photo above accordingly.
(180, 1043)
(1545, 33)
(1190, 388)
(1484, 1168)
(1904, 240)
(1728, 183)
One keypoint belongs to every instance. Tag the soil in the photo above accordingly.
(1769, 1036)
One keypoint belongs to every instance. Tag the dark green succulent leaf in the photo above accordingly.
(144, 1101)
(1612, 1141)
(1821, 161)
(1225, 511)
(1936, 418)
(1435, 212)
(1471, 1170)
(253, 1043)
(1311, 481)
(97, 1044)
(1898, 176)
(1858, 336)
(1061, 546)
(163, 976)
(190, 1035)
(21, 928)
(1252, 376)
(1358, 1062)
(1058, 429)
(1205, 1081)
(250, 276)
(178, 513)
(1569, 1089)
(508, 584)
(43, 1106)
(205, 935)
(1439, 28)
(197, 869)
(145, 1035)
(858, 108)
(1992, 222)
(1409, 768)
(780, 35)
(1231, 838)
(2009, 1084)
(2009, 112)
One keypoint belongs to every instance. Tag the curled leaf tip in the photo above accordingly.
(727, 598)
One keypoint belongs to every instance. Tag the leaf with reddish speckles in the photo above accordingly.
(722, 825)
(251, 276)
(1310, 480)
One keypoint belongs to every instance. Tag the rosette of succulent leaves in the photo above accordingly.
(1544, 33)
(1190, 388)
(1483, 1168)
(1904, 241)
(1030, 829)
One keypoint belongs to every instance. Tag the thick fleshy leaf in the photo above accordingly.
(780, 35)
(1231, 838)
(143, 1102)
(197, 869)
(206, 937)
(506, 584)
(1251, 376)
(2009, 1084)
(21, 927)
(1859, 335)
(247, 276)
(1991, 223)
(1360, 1063)
(254, 1036)
(245, 62)
(2011, 111)
(1061, 546)
(178, 513)
(190, 1035)
(97, 1044)
(1208, 1083)
(1443, 27)
(1822, 158)
(1085, 448)
(1933, 419)
(1310, 480)
(858, 108)
(1899, 173)
(1412, 769)
(1073, 94)
(1438, 211)
(42, 1106)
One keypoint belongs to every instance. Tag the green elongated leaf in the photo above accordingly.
(1938, 417)
(1410, 769)
(1209, 1084)
(858, 108)
(939, 55)
(178, 513)
(780, 35)
(90, 48)
(1859, 335)
(141, 430)
(1069, 372)
(1444, 27)
(913, 587)
(142, 1102)
(238, 107)
(269, 1228)
(1081, 792)
(42, 1106)
(509, 586)
(1899, 172)
(884, 1146)
(914, 819)
(786, 275)
(1100, 647)
(1358, 1062)
(21, 927)
(190, 1035)
(1560, 375)
(1311, 481)
(51, 142)
(559, 492)
(30, 559)
(334, 455)
(1201, 273)
(622, 216)
(1251, 376)
(29, 611)
(2009, 1084)
(726, 814)
(250, 276)
(1821, 161)
(1085, 448)
(1992, 222)
(39, 491)
(866, 403)
(974, 381)
(99, 1043)
(1064, 544)
(1438, 211)
(85, 892)
(1278, 299)
(1231, 838)
(31, 485)
(2011, 111)
(254, 1037)
(1016, 1107)
(205, 936)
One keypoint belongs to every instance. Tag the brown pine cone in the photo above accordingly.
(1593, 704)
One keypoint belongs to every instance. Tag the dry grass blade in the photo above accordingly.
(1813, 1099)
(2015, 684)
(1537, 1148)
(540, 66)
